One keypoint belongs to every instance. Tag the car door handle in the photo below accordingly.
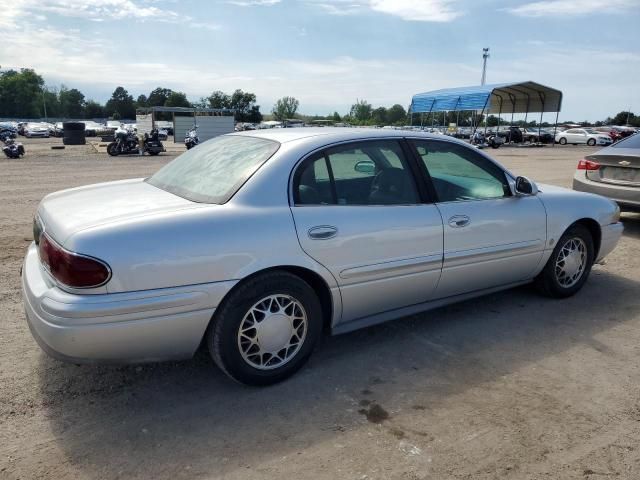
(458, 221)
(322, 232)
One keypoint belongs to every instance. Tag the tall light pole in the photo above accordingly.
(485, 55)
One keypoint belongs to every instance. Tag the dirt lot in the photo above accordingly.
(508, 386)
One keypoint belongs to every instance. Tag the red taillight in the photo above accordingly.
(71, 269)
(588, 165)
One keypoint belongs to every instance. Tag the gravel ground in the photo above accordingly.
(508, 386)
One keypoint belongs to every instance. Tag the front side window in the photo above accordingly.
(215, 170)
(362, 173)
(458, 173)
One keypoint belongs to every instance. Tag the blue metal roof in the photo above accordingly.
(500, 97)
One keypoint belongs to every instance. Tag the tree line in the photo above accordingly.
(23, 94)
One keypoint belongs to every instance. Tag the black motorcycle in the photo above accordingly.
(126, 142)
(191, 138)
(11, 149)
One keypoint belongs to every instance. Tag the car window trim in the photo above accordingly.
(507, 175)
(314, 155)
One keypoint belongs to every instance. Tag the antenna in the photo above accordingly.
(485, 55)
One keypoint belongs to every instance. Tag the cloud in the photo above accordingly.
(410, 10)
(98, 11)
(254, 3)
(562, 8)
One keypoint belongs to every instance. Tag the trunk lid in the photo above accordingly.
(620, 166)
(69, 211)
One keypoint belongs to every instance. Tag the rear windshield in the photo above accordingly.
(213, 171)
(630, 142)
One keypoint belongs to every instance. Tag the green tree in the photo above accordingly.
(71, 102)
(21, 94)
(396, 115)
(254, 115)
(624, 118)
(158, 97)
(52, 102)
(219, 99)
(93, 109)
(142, 101)
(177, 99)
(336, 117)
(243, 103)
(285, 107)
(379, 116)
(361, 111)
(121, 103)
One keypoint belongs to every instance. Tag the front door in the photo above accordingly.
(491, 237)
(358, 212)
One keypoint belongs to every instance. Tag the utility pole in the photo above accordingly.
(44, 104)
(485, 55)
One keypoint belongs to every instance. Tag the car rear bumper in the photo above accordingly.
(627, 197)
(129, 327)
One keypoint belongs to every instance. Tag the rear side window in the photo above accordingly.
(630, 142)
(362, 173)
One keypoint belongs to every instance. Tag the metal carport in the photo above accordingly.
(522, 97)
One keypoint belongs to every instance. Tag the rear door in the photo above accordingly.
(359, 212)
(491, 238)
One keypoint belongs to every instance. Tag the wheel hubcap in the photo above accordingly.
(571, 262)
(272, 332)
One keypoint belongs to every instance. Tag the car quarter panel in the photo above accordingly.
(212, 244)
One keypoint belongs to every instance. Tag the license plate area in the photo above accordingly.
(620, 175)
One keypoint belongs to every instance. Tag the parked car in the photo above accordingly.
(113, 125)
(611, 131)
(32, 130)
(162, 134)
(588, 136)
(93, 129)
(248, 245)
(613, 172)
(536, 136)
(58, 130)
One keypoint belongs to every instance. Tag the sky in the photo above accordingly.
(330, 53)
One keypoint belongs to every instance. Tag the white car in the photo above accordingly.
(36, 130)
(583, 135)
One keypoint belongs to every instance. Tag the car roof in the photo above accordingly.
(283, 135)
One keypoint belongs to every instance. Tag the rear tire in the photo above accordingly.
(562, 141)
(591, 142)
(266, 329)
(569, 266)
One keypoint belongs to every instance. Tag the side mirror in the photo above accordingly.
(524, 186)
(365, 166)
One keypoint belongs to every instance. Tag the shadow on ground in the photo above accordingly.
(186, 418)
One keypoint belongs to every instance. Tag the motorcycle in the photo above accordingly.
(12, 149)
(191, 138)
(126, 142)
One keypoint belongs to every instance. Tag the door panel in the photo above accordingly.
(383, 257)
(502, 243)
(491, 238)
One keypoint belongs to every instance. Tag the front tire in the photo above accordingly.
(112, 149)
(266, 329)
(562, 141)
(569, 266)
(591, 142)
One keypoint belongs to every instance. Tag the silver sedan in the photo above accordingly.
(256, 243)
